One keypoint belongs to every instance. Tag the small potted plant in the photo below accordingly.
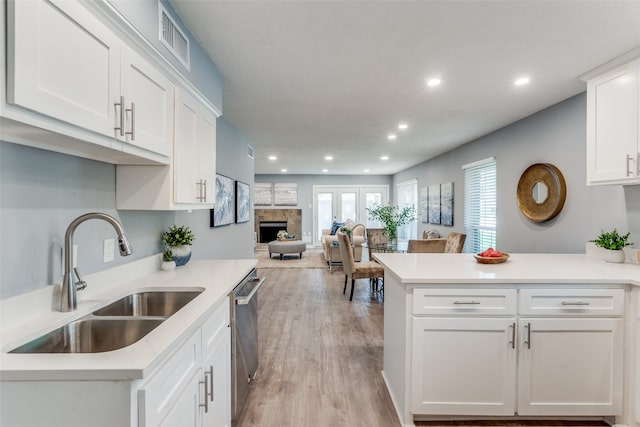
(613, 243)
(168, 263)
(283, 235)
(178, 240)
(346, 230)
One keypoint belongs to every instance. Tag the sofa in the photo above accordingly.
(327, 239)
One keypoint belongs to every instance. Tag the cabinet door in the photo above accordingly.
(187, 411)
(194, 151)
(217, 368)
(148, 104)
(570, 367)
(63, 62)
(463, 366)
(612, 125)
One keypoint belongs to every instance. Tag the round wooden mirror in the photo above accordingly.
(541, 192)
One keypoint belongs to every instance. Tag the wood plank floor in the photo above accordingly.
(321, 357)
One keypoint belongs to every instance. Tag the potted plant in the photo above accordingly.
(613, 243)
(178, 240)
(168, 263)
(392, 217)
(347, 230)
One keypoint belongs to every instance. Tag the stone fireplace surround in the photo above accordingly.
(293, 218)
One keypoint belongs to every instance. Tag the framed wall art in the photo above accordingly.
(243, 202)
(262, 194)
(446, 203)
(424, 205)
(285, 194)
(434, 204)
(223, 212)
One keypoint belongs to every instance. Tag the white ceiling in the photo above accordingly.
(305, 79)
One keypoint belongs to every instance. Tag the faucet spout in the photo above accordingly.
(69, 294)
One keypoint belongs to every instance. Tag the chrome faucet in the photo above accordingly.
(69, 294)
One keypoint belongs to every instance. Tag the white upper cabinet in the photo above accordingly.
(188, 183)
(65, 64)
(613, 148)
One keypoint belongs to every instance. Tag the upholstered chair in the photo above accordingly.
(426, 246)
(353, 271)
(375, 236)
(455, 242)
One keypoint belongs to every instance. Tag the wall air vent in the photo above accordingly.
(250, 151)
(173, 37)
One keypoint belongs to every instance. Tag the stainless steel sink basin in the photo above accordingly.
(91, 336)
(152, 303)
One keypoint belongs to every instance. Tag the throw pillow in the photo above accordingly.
(335, 226)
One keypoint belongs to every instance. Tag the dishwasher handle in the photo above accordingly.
(245, 300)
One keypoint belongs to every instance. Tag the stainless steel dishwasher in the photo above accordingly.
(244, 340)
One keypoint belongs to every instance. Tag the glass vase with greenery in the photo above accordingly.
(391, 218)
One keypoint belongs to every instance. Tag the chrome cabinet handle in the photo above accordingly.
(210, 373)
(132, 110)
(202, 190)
(513, 335)
(206, 393)
(466, 302)
(121, 105)
(580, 303)
(527, 341)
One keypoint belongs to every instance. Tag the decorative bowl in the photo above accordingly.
(491, 260)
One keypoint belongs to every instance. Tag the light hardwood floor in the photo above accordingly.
(321, 357)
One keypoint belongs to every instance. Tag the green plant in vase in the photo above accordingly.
(392, 217)
(613, 243)
(178, 240)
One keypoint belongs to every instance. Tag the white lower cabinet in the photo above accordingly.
(466, 361)
(463, 366)
(193, 388)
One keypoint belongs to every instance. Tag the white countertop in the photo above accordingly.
(419, 268)
(216, 277)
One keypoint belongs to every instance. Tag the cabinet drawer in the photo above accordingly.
(571, 302)
(490, 302)
(160, 393)
(214, 327)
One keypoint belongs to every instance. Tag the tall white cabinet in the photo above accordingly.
(613, 147)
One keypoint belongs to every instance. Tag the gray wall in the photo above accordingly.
(555, 135)
(305, 190)
(41, 192)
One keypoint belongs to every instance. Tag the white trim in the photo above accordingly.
(407, 182)
(479, 162)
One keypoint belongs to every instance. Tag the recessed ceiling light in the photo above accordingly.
(384, 157)
(328, 157)
(366, 171)
(521, 81)
(273, 158)
(283, 170)
(403, 126)
(325, 170)
(391, 136)
(433, 82)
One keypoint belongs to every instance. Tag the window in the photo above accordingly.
(480, 196)
(407, 195)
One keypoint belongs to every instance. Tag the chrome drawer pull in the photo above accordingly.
(575, 303)
(527, 341)
(466, 302)
(513, 335)
(121, 105)
(132, 110)
(205, 405)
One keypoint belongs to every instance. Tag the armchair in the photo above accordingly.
(327, 239)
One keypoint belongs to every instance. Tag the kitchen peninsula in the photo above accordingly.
(542, 335)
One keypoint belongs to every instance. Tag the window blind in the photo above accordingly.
(480, 201)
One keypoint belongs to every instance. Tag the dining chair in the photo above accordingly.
(375, 236)
(426, 246)
(455, 243)
(363, 270)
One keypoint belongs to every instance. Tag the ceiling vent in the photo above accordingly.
(173, 37)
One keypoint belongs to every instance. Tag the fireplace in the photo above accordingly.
(269, 221)
(269, 230)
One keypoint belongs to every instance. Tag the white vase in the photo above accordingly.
(181, 254)
(168, 265)
(613, 255)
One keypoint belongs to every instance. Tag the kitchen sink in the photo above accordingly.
(91, 335)
(152, 303)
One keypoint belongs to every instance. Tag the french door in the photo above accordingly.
(341, 203)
